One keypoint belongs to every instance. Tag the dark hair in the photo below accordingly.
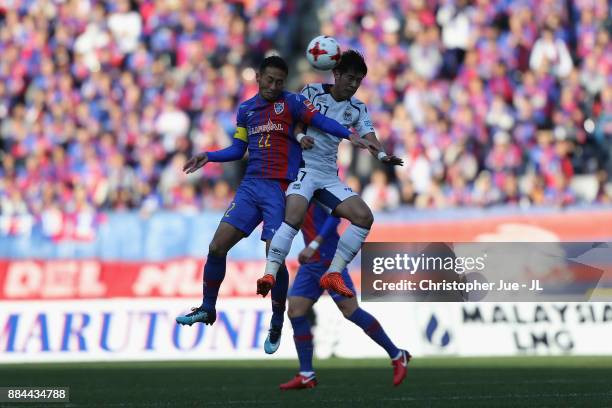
(351, 60)
(274, 61)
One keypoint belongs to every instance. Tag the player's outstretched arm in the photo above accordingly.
(330, 126)
(331, 223)
(305, 111)
(234, 152)
(377, 151)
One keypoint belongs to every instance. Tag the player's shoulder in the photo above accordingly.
(248, 103)
(312, 90)
(358, 104)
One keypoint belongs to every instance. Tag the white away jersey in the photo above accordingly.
(349, 113)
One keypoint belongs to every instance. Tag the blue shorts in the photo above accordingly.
(306, 283)
(258, 200)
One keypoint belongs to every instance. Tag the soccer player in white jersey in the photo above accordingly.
(318, 178)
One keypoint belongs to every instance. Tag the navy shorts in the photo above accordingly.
(306, 283)
(258, 200)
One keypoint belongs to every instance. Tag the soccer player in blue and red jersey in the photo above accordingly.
(321, 237)
(265, 128)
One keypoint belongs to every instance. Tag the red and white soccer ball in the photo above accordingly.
(323, 52)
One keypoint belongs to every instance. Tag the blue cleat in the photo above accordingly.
(273, 340)
(198, 314)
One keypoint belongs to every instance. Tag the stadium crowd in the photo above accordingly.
(489, 102)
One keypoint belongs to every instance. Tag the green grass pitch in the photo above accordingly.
(431, 382)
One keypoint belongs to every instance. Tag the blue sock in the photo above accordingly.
(303, 341)
(279, 296)
(372, 328)
(214, 272)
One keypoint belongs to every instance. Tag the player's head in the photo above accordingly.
(271, 77)
(349, 72)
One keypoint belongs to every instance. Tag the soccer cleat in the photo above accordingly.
(273, 340)
(198, 314)
(400, 367)
(333, 281)
(299, 382)
(265, 284)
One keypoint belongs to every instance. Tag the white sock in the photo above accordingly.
(348, 246)
(307, 374)
(279, 248)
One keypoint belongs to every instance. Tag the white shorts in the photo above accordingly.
(326, 189)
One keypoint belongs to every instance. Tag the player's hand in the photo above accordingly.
(306, 254)
(360, 142)
(195, 163)
(393, 160)
(307, 142)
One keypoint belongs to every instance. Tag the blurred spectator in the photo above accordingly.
(379, 195)
(551, 53)
(220, 198)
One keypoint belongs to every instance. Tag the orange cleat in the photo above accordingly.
(265, 284)
(400, 367)
(299, 382)
(333, 281)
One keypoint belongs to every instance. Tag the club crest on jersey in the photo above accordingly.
(348, 116)
(279, 107)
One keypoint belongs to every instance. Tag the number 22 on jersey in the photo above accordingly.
(264, 141)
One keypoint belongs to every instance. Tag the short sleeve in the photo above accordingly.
(302, 108)
(363, 124)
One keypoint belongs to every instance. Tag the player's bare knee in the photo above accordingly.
(217, 249)
(295, 311)
(294, 220)
(363, 218)
(347, 308)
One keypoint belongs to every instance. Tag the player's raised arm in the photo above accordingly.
(377, 151)
(365, 129)
(234, 152)
(306, 112)
(331, 223)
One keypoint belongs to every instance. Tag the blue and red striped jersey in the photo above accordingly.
(313, 223)
(267, 128)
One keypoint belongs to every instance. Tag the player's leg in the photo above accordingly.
(351, 311)
(298, 194)
(279, 300)
(238, 221)
(280, 244)
(224, 239)
(271, 202)
(346, 204)
(304, 293)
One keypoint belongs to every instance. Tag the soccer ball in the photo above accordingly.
(323, 52)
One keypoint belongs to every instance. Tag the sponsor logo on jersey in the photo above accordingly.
(279, 107)
(268, 127)
(309, 105)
